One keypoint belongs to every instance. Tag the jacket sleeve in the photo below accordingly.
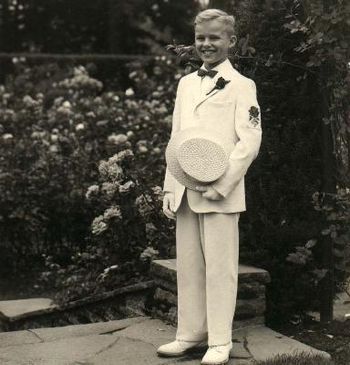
(249, 132)
(169, 180)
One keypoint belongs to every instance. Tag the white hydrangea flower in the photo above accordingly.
(80, 127)
(54, 138)
(117, 138)
(149, 253)
(112, 212)
(92, 190)
(67, 104)
(126, 187)
(143, 149)
(98, 226)
(53, 148)
(28, 100)
(129, 92)
(7, 136)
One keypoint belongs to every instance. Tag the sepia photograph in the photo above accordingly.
(174, 182)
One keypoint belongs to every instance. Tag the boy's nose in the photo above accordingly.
(206, 41)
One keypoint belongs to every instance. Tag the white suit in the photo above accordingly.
(207, 230)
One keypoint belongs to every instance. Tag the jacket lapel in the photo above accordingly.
(225, 70)
(197, 90)
(201, 98)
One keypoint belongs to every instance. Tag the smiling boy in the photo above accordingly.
(215, 97)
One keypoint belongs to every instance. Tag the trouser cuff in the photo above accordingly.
(219, 341)
(196, 338)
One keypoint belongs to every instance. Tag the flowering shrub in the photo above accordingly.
(56, 125)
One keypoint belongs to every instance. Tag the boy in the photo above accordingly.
(207, 219)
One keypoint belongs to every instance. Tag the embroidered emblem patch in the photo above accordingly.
(254, 115)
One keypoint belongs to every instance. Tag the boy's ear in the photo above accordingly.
(233, 41)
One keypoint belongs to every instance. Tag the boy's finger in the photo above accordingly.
(206, 194)
(201, 188)
(169, 214)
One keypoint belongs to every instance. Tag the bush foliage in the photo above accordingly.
(82, 165)
(57, 126)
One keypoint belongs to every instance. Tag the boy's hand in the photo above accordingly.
(209, 192)
(168, 205)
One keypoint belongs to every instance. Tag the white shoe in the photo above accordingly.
(179, 348)
(217, 355)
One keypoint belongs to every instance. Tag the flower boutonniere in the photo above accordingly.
(220, 84)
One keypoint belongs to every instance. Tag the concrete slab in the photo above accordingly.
(63, 351)
(18, 338)
(57, 333)
(152, 331)
(240, 350)
(127, 352)
(263, 343)
(16, 309)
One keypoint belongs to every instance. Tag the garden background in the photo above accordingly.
(86, 97)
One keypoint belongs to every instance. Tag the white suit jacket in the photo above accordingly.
(229, 111)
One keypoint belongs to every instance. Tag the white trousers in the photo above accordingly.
(207, 249)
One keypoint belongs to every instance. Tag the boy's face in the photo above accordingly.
(212, 42)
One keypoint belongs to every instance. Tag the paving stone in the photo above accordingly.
(63, 351)
(17, 338)
(152, 331)
(16, 309)
(127, 352)
(239, 350)
(264, 343)
(51, 334)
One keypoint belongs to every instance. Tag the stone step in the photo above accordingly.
(166, 270)
(42, 312)
(250, 307)
(13, 310)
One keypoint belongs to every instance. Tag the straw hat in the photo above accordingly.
(197, 157)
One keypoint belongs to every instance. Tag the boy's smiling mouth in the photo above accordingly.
(208, 51)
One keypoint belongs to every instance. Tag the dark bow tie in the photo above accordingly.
(202, 73)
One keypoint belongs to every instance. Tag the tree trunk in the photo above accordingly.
(328, 186)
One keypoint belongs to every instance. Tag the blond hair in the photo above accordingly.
(217, 14)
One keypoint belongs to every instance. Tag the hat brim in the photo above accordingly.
(197, 157)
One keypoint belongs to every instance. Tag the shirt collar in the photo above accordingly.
(224, 68)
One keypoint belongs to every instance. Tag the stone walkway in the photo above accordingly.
(130, 341)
